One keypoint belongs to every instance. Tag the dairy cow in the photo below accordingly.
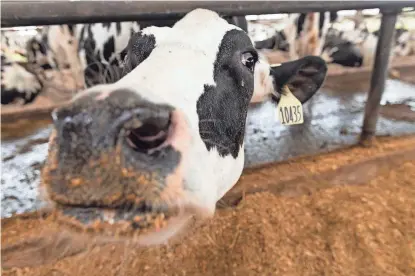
(341, 51)
(140, 156)
(404, 42)
(93, 52)
(301, 31)
(310, 33)
(366, 41)
(18, 83)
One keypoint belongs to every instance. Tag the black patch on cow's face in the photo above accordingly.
(139, 48)
(109, 48)
(222, 108)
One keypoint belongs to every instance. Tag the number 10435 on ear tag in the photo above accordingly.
(290, 109)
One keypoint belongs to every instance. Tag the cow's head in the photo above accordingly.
(341, 51)
(167, 140)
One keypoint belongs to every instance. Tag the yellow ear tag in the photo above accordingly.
(290, 109)
(19, 58)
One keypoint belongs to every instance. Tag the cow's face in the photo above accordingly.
(166, 141)
(341, 51)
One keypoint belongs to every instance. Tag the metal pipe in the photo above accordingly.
(379, 74)
(29, 13)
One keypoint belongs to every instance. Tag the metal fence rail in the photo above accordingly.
(26, 13)
(29, 13)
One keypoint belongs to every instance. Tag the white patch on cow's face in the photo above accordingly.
(16, 77)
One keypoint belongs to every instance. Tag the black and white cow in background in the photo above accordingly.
(18, 82)
(351, 48)
(92, 51)
(405, 42)
(167, 139)
(310, 33)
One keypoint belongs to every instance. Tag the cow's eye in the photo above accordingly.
(249, 59)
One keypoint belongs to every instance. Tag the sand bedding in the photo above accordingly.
(363, 229)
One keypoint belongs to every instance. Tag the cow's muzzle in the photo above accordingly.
(116, 162)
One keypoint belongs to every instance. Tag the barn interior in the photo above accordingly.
(313, 199)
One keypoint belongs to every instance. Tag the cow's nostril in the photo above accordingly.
(150, 135)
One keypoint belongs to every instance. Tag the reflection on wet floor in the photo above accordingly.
(331, 120)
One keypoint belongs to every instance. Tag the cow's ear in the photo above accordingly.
(303, 77)
(140, 46)
(138, 49)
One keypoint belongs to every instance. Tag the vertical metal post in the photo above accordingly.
(379, 74)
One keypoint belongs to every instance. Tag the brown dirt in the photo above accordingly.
(349, 212)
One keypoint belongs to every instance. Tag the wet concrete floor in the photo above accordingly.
(331, 120)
